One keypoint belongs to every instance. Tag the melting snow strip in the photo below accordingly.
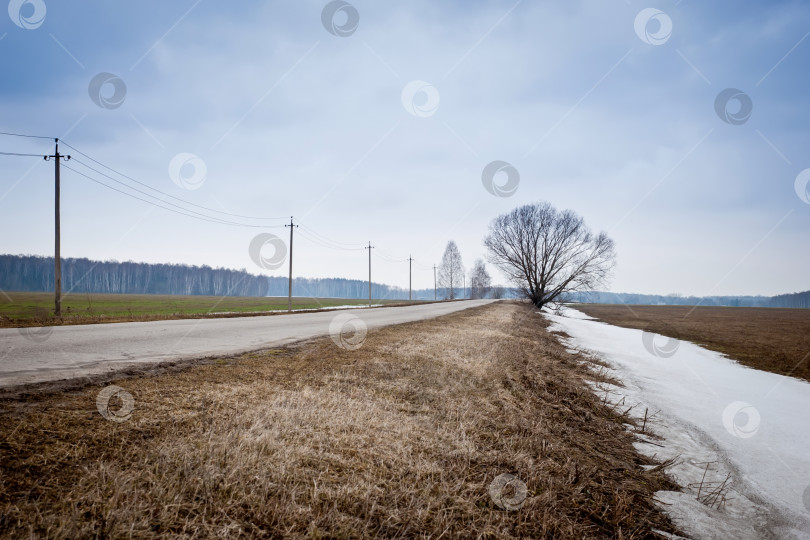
(739, 437)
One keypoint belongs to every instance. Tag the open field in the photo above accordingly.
(36, 308)
(401, 437)
(776, 340)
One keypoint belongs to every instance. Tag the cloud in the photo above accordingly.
(292, 120)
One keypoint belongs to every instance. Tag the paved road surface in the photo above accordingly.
(63, 352)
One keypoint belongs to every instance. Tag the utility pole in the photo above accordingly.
(410, 277)
(464, 289)
(434, 283)
(289, 284)
(57, 256)
(369, 248)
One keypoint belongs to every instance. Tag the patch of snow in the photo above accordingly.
(573, 313)
(720, 420)
(555, 309)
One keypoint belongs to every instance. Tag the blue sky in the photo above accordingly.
(289, 119)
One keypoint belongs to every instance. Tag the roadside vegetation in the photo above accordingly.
(401, 437)
(769, 339)
(36, 308)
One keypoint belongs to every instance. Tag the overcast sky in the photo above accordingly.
(374, 121)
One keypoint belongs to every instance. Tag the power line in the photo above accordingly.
(308, 232)
(323, 241)
(134, 196)
(387, 256)
(27, 136)
(16, 154)
(425, 266)
(330, 241)
(152, 196)
(315, 240)
(391, 259)
(201, 217)
(162, 192)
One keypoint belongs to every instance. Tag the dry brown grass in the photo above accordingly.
(400, 438)
(770, 339)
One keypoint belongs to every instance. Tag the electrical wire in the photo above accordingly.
(16, 154)
(331, 243)
(387, 256)
(318, 242)
(307, 232)
(150, 195)
(162, 192)
(27, 136)
(389, 259)
(323, 241)
(328, 240)
(134, 196)
(201, 217)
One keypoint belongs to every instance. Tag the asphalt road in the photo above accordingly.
(63, 352)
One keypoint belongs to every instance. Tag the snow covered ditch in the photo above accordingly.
(740, 437)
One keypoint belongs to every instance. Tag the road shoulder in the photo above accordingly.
(408, 431)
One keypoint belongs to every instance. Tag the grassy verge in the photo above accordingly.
(401, 437)
(36, 309)
(769, 339)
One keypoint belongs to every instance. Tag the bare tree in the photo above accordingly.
(546, 252)
(480, 281)
(451, 270)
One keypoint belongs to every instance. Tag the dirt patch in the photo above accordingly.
(401, 437)
(769, 339)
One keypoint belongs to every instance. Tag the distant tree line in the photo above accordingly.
(35, 274)
(342, 288)
(794, 300)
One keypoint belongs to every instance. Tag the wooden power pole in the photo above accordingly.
(435, 297)
(289, 283)
(57, 255)
(369, 248)
(410, 277)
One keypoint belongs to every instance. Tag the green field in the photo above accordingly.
(28, 308)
